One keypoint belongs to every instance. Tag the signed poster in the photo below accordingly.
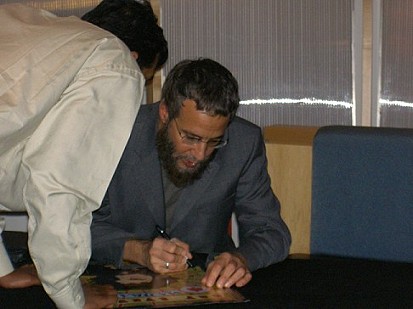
(143, 288)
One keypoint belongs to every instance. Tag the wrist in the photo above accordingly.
(136, 251)
(241, 257)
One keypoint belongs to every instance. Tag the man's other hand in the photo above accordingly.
(99, 296)
(22, 277)
(226, 270)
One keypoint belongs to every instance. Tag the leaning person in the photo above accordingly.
(189, 164)
(69, 93)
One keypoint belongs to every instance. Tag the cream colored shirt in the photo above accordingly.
(69, 94)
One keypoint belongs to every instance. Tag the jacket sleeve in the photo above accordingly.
(264, 237)
(107, 239)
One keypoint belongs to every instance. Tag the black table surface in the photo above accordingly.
(298, 282)
(316, 282)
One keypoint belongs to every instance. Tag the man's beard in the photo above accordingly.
(166, 152)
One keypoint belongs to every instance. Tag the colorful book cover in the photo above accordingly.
(143, 288)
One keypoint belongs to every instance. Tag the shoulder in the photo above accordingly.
(145, 123)
(148, 114)
(38, 23)
(244, 141)
(74, 40)
(148, 109)
(243, 128)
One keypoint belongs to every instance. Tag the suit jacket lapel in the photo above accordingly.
(151, 188)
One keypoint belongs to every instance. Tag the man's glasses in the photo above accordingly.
(195, 140)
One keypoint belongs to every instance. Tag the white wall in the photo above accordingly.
(17, 223)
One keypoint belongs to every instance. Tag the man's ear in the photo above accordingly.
(134, 55)
(163, 112)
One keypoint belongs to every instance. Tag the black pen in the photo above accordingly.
(165, 235)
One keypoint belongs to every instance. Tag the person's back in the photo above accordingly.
(40, 56)
(69, 94)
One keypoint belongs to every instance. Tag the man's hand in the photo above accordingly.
(99, 296)
(159, 255)
(166, 256)
(21, 277)
(226, 270)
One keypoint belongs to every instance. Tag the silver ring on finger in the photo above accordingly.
(167, 265)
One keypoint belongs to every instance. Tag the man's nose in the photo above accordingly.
(200, 151)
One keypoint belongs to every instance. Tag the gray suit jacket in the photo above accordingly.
(235, 181)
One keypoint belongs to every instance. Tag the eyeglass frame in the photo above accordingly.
(195, 140)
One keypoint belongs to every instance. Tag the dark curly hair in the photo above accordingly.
(213, 88)
(135, 23)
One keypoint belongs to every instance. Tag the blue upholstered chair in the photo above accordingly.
(362, 193)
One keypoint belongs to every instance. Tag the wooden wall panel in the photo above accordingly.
(289, 152)
(153, 89)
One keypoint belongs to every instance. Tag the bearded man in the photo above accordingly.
(191, 163)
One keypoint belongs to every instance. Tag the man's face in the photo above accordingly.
(185, 161)
(148, 72)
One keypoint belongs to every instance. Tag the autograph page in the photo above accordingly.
(143, 288)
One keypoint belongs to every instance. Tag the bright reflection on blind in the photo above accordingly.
(293, 59)
(396, 95)
(60, 7)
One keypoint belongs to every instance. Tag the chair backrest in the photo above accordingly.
(362, 193)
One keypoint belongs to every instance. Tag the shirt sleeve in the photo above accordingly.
(68, 163)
